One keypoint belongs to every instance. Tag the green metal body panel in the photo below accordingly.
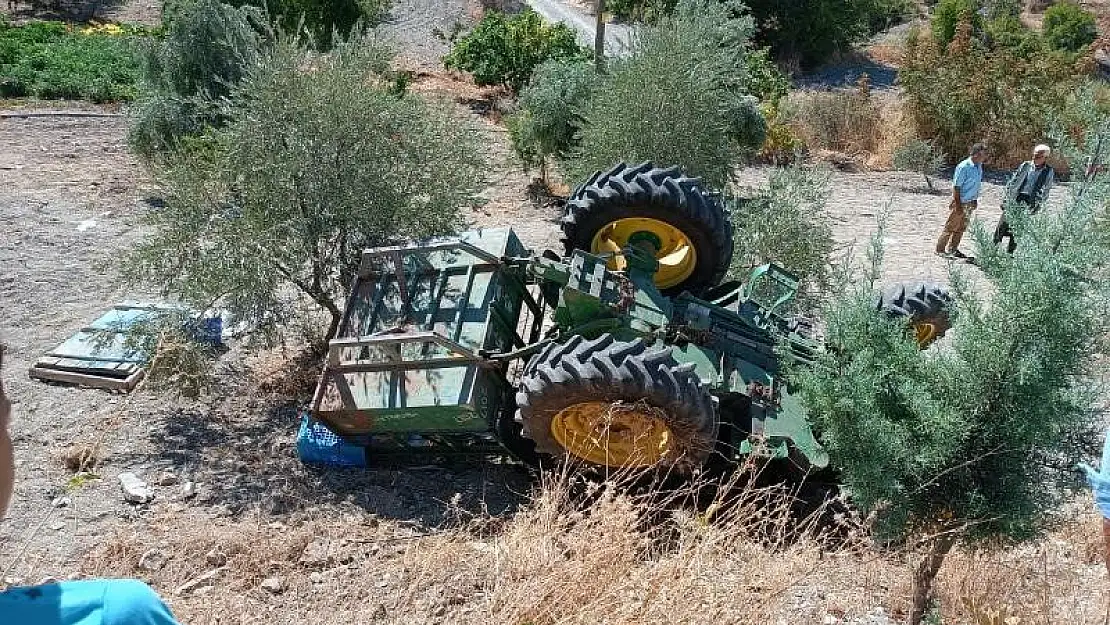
(405, 358)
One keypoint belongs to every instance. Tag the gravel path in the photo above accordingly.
(412, 26)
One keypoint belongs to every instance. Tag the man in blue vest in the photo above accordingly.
(84, 602)
(966, 182)
(1028, 186)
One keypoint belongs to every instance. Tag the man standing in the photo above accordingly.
(966, 182)
(1029, 186)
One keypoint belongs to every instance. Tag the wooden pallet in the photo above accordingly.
(97, 355)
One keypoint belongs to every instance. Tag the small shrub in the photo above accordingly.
(920, 156)
(505, 50)
(205, 52)
(1067, 26)
(949, 13)
(1009, 33)
(765, 80)
(782, 144)
(548, 120)
(786, 223)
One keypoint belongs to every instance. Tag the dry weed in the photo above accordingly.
(846, 121)
(591, 553)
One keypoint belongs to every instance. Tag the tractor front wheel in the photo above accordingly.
(617, 404)
(923, 304)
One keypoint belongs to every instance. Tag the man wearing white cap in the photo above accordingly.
(1029, 185)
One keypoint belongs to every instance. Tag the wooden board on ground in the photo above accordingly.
(98, 355)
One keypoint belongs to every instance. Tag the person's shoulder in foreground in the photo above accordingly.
(85, 602)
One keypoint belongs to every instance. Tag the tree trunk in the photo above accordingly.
(926, 572)
(599, 38)
(336, 317)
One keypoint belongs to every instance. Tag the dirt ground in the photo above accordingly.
(71, 200)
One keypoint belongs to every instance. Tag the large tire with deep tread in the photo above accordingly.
(665, 194)
(920, 303)
(608, 370)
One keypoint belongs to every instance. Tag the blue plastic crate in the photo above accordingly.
(316, 444)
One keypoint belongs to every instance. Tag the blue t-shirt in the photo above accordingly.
(968, 177)
(84, 602)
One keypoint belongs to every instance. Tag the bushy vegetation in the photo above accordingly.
(947, 14)
(1068, 27)
(786, 223)
(320, 20)
(53, 60)
(808, 32)
(682, 96)
(554, 104)
(920, 156)
(319, 159)
(976, 440)
(968, 91)
(506, 49)
(547, 122)
(206, 50)
(640, 10)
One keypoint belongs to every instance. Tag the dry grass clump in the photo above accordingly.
(1060, 579)
(844, 120)
(592, 554)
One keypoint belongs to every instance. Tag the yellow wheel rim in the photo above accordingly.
(677, 259)
(924, 332)
(613, 434)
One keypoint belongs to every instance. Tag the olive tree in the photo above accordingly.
(681, 96)
(975, 439)
(321, 157)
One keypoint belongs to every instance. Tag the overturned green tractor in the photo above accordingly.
(627, 350)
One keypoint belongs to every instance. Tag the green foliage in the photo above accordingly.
(640, 10)
(782, 145)
(1009, 33)
(681, 97)
(318, 161)
(321, 19)
(1067, 26)
(947, 14)
(1002, 9)
(920, 156)
(808, 32)
(979, 436)
(547, 122)
(52, 60)
(786, 223)
(765, 80)
(205, 52)
(505, 50)
(965, 92)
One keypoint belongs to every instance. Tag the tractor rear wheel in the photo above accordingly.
(690, 225)
(924, 304)
(617, 404)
